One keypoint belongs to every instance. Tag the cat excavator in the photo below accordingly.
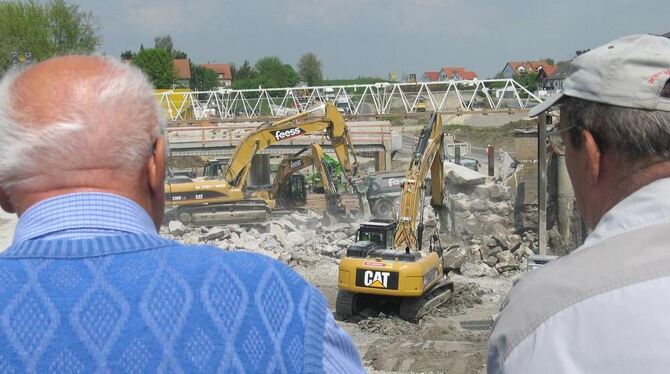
(387, 263)
(224, 198)
(289, 190)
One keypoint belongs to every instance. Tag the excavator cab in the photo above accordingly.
(379, 232)
(213, 168)
(294, 194)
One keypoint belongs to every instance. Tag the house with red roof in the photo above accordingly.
(553, 80)
(223, 73)
(456, 74)
(431, 76)
(515, 68)
(183, 68)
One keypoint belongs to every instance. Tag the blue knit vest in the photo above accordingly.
(140, 303)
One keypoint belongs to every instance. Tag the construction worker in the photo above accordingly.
(89, 286)
(603, 308)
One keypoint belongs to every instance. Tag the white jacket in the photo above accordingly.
(605, 308)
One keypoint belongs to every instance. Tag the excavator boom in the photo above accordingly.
(333, 123)
(427, 157)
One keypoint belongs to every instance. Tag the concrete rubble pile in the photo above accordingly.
(298, 238)
(481, 239)
(481, 215)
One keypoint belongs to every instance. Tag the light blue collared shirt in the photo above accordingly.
(91, 214)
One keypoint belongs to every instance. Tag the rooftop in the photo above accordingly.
(183, 68)
(220, 69)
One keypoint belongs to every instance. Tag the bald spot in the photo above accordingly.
(57, 83)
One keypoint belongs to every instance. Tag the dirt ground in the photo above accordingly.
(438, 343)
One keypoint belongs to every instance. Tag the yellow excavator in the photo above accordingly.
(289, 190)
(387, 264)
(224, 198)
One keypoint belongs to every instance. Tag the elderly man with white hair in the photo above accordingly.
(89, 286)
(603, 308)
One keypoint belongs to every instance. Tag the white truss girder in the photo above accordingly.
(362, 99)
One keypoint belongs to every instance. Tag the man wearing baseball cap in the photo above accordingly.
(605, 307)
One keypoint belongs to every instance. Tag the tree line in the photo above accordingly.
(33, 31)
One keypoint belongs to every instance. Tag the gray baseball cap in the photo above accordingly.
(628, 72)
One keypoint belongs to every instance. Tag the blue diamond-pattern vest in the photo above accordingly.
(137, 303)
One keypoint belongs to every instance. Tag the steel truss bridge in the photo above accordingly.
(376, 99)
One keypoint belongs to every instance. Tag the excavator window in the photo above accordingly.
(390, 234)
(371, 236)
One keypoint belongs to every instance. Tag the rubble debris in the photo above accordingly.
(176, 228)
(216, 232)
(456, 257)
(460, 175)
(475, 270)
(506, 262)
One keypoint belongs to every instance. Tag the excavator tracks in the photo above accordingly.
(246, 211)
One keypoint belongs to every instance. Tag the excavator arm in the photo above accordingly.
(333, 124)
(427, 157)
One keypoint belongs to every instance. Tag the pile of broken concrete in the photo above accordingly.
(300, 238)
(482, 226)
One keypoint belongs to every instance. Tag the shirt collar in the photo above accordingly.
(82, 215)
(647, 206)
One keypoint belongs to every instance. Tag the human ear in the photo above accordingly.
(5, 203)
(156, 181)
(156, 167)
(593, 157)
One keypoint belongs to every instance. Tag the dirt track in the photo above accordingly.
(437, 344)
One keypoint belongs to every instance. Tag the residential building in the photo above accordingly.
(430, 76)
(515, 68)
(183, 68)
(554, 82)
(223, 73)
(456, 74)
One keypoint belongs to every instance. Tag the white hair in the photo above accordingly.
(110, 122)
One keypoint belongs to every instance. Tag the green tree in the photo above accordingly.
(309, 67)
(72, 31)
(246, 71)
(45, 30)
(528, 80)
(291, 77)
(165, 42)
(158, 66)
(203, 79)
(274, 73)
(127, 55)
(549, 61)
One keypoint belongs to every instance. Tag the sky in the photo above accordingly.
(376, 37)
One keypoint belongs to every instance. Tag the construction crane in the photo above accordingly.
(387, 263)
(224, 199)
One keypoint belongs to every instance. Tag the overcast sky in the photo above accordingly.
(375, 37)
